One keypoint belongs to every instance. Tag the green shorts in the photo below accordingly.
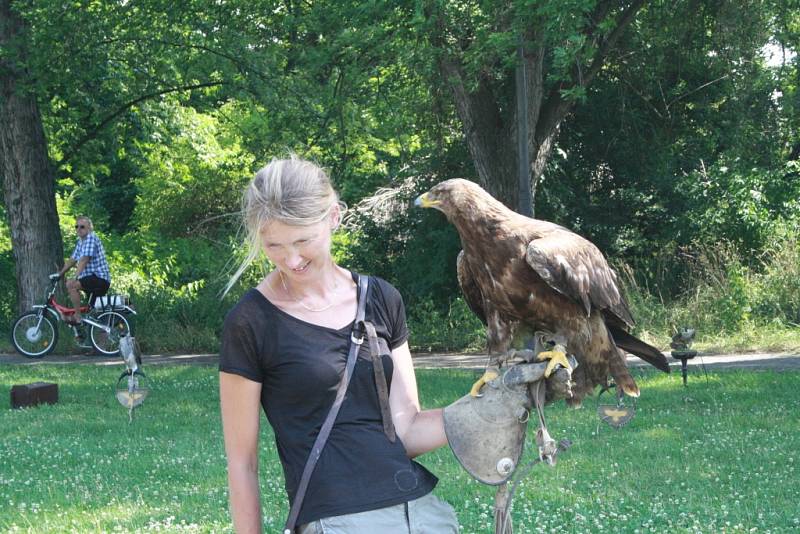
(426, 515)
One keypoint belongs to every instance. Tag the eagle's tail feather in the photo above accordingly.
(636, 346)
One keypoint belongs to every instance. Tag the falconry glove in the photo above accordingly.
(487, 433)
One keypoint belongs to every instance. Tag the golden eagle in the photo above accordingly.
(522, 275)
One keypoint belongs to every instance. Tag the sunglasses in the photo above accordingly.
(80, 226)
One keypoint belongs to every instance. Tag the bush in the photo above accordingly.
(455, 328)
(175, 285)
(777, 289)
(732, 300)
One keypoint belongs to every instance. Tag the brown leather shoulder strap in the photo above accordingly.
(380, 381)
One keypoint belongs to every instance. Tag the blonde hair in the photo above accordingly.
(292, 191)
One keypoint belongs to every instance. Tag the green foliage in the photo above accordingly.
(157, 114)
(778, 285)
(457, 328)
(695, 149)
(188, 160)
(743, 206)
(414, 249)
(8, 286)
(734, 302)
(175, 286)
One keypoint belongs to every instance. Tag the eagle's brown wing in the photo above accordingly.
(576, 268)
(472, 294)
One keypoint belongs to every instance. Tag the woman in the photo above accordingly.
(284, 347)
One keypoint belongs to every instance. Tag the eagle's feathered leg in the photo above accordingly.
(580, 388)
(500, 335)
(622, 377)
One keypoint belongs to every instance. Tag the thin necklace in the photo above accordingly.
(300, 302)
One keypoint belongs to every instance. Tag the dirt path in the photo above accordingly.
(774, 361)
(756, 361)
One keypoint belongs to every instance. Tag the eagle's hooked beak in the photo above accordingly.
(423, 201)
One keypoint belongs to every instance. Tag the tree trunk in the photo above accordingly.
(490, 128)
(27, 174)
(491, 134)
(488, 136)
(538, 164)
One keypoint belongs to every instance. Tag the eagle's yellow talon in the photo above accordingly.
(488, 375)
(556, 357)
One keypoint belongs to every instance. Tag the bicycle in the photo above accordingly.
(35, 332)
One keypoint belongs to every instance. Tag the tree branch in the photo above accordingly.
(600, 12)
(125, 107)
(556, 108)
(610, 42)
(696, 89)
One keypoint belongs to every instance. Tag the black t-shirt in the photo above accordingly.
(299, 365)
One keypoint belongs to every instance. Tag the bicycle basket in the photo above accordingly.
(111, 302)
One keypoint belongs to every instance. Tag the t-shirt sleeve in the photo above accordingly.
(239, 351)
(76, 252)
(396, 311)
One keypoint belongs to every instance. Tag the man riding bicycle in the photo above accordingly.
(92, 274)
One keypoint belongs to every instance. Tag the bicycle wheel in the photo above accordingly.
(107, 343)
(34, 335)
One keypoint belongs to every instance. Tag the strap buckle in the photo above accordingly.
(359, 331)
(358, 341)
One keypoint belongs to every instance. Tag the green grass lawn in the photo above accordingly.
(719, 456)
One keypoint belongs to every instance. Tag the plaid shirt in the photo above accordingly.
(92, 247)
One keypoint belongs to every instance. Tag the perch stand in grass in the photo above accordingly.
(132, 388)
(680, 344)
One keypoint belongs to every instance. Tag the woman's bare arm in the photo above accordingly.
(240, 405)
(420, 431)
